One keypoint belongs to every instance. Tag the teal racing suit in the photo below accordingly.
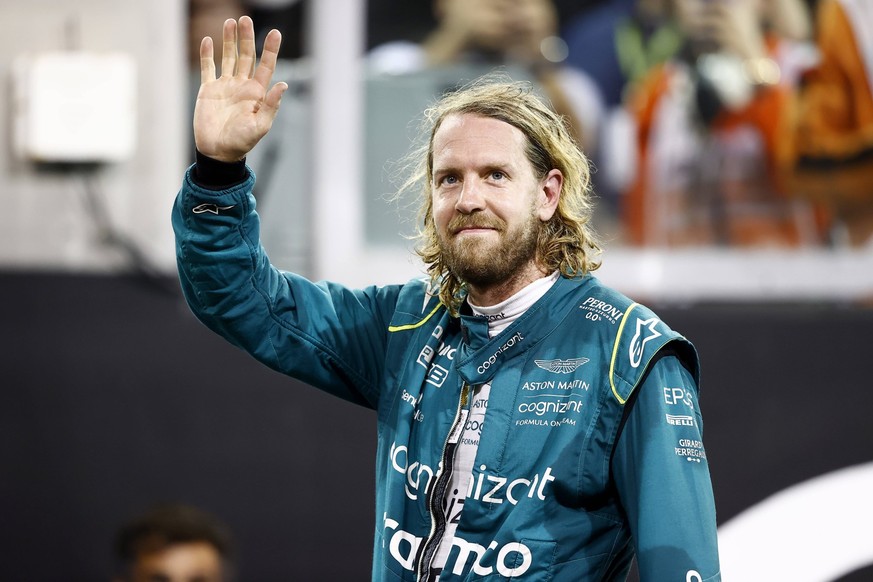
(591, 452)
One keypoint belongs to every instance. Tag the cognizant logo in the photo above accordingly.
(554, 407)
(493, 359)
(418, 476)
(483, 487)
(403, 547)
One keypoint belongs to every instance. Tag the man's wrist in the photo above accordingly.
(214, 174)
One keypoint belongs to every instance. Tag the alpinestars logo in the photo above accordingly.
(560, 366)
(645, 333)
(210, 208)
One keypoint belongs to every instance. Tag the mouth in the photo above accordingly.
(478, 227)
(474, 230)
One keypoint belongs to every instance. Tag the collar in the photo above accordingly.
(479, 356)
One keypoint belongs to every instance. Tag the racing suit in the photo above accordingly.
(592, 450)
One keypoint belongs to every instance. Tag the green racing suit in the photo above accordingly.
(592, 451)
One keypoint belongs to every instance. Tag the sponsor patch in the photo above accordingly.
(680, 420)
(597, 310)
(692, 450)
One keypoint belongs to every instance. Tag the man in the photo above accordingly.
(174, 543)
(533, 424)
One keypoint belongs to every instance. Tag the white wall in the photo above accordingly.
(45, 222)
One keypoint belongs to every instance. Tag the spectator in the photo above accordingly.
(174, 543)
(618, 41)
(616, 44)
(492, 33)
(708, 131)
(204, 18)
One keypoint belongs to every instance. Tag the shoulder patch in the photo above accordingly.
(640, 336)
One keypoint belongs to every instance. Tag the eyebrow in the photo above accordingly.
(505, 167)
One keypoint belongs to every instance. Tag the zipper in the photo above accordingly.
(438, 492)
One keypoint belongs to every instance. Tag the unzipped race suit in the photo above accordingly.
(592, 449)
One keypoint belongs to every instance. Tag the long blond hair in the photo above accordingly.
(566, 242)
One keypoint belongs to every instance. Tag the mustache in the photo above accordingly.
(461, 222)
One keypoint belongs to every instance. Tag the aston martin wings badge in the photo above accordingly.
(560, 366)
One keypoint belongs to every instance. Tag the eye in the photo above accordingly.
(448, 179)
(497, 175)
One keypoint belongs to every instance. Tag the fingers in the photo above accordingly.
(238, 56)
(267, 66)
(207, 60)
(246, 33)
(228, 48)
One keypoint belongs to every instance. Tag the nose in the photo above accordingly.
(471, 197)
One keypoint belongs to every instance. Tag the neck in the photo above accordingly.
(488, 295)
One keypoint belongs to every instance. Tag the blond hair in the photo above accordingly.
(566, 242)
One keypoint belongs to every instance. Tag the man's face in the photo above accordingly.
(186, 562)
(487, 201)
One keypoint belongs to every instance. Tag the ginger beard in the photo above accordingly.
(481, 261)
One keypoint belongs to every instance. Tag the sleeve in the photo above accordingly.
(662, 476)
(324, 334)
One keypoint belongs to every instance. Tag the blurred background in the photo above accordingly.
(733, 147)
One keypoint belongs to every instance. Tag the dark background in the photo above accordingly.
(113, 397)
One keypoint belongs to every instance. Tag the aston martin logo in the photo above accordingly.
(560, 366)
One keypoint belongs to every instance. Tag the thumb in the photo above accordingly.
(274, 96)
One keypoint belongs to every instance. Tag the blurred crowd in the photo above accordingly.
(741, 123)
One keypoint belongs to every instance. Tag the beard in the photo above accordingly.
(484, 262)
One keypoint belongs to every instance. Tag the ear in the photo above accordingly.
(549, 194)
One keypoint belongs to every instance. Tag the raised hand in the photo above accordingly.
(234, 111)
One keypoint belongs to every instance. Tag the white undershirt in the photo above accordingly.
(500, 317)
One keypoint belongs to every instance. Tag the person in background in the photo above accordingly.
(174, 543)
(618, 41)
(494, 33)
(707, 128)
(533, 422)
(616, 44)
(205, 16)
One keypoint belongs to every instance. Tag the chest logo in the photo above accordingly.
(559, 366)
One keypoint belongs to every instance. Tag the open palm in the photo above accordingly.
(234, 111)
